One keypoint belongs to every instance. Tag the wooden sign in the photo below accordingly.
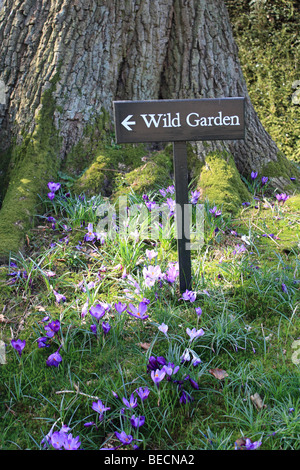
(179, 121)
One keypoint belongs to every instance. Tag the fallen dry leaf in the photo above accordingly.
(145, 346)
(218, 373)
(257, 401)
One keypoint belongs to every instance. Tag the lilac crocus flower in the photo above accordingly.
(99, 407)
(163, 328)
(123, 437)
(171, 203)
(215, 211)
(284, 288)
(252, 445)
(143, 393)
(71, 443)
(18, 345)
(59, 297)
(264, 180)
(54, 359)
(195, 196)
(137, 421)
(98, 311)
(170, 369)
(53, 326)
(53, 187)
(120, 308)
(172, 273)
(150, 205)
(89, 236)
(132, 403)
(84, 309)
(106, 327)
(198, 311)
(151, 275)
(157, 376)
(171, 189)
(42, 342)
(282, 197)
(151, 254)
(189, 295)
(57, 439)
(138, 312)
(194, 333)
(254, 175)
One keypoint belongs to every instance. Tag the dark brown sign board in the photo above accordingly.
(179, 121)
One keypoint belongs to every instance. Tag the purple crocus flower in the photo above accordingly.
(189, 295)
(143, 393)
(198, 311)
(94, 329)
(132, 403)
(254, 175)
(172, 272)
(53, 326)
(120, 308)
(215, 211)
(157, 376)
(90, 235)
(71, 443)
(99, 407)
(284, 288)
(150, 205)
(18, 345)
(123, 437)
(137, 421)
(98, 311)
(194, 333)
(59, 297)
(163, 328)
(282, 197)
(58, 439)
(53, 187)
(106, 327)
(195, 196)
(138, 312)
(249, 445)
(54, 359)
(264, 180)
(42, 342)
(51, 196)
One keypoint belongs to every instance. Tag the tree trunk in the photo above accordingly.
(82, 55)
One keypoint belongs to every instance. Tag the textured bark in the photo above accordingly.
(63, 62)
(124, 49)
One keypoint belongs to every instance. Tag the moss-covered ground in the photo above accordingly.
(244, 308)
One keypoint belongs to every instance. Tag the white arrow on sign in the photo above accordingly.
(126, 123)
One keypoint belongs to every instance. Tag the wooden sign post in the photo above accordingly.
(179, 121)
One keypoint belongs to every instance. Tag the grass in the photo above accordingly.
(245, 383)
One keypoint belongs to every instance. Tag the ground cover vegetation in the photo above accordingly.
(99, 348)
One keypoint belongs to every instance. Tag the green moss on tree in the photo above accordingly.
(283, 170)
(221, 184)
(33, 163)
(153, 174)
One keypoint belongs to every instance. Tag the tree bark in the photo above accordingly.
(91, 52)
(120, 50)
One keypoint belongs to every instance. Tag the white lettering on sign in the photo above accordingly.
(194, 120)
(166, 119)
